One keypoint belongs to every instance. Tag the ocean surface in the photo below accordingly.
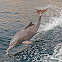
(47, 43)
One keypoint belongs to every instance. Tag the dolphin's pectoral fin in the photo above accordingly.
(27, 42)
(30, 24)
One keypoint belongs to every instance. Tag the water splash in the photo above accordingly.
(57, 55)
(58, 51)
(54, 21)
(43, 8)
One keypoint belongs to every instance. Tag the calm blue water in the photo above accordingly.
(14, 15)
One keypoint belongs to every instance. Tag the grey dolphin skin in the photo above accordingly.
(24, 35)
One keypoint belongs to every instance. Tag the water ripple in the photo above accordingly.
(9, 13)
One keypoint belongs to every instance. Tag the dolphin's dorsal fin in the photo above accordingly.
(30, 24)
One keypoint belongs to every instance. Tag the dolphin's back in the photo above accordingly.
(24, 34)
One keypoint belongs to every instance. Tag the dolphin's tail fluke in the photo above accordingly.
(40, 12)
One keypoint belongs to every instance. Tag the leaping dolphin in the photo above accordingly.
(24, 35)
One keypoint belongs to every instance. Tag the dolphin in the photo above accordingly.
(24, 35)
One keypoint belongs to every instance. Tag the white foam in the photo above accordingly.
(7, 53)
(57, 55)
